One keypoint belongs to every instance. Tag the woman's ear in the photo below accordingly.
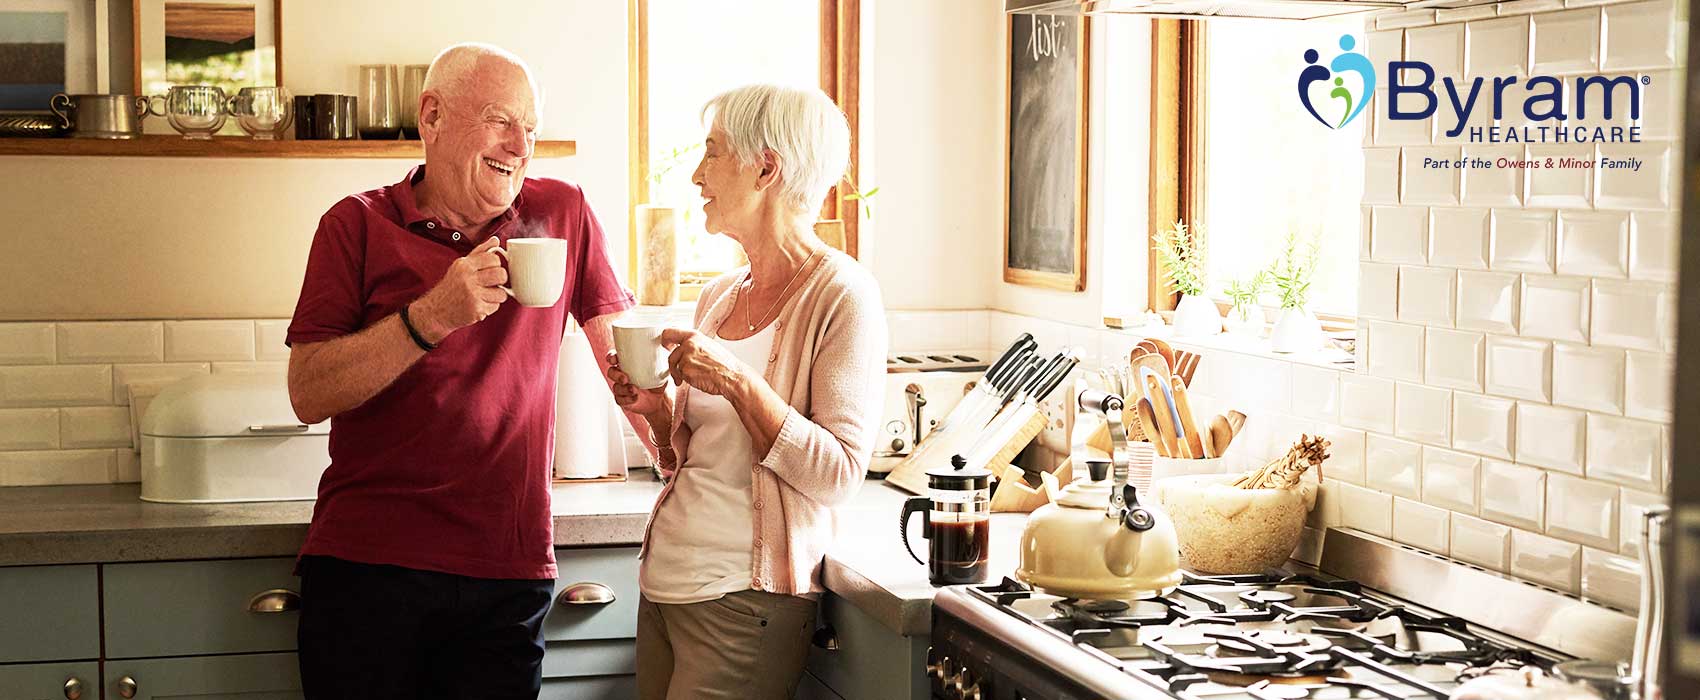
(769, 174)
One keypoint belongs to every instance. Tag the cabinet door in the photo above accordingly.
(872, 662)
(592, 657)
(191, 608)
(612, 570)
(80, 680)
(810, 688)
(240, 677)
(49, 613)
(590, 688)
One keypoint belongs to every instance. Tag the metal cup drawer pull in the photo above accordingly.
(585, 593)
(276, 600)
(127, 687)
(74, 688)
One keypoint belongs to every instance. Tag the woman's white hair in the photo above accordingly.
(803, 128)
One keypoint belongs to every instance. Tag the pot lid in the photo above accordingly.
(958, 475)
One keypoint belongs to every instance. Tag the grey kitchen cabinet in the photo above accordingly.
(871, 661)
(591, 628)
(244, 676)
(193, 608)
(49, 613)
(51, 681)
(810, 688)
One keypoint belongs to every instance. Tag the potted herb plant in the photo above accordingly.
(1296, 330)
(1180, 249)
(1246, 316)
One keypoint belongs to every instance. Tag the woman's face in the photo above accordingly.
(731, 189)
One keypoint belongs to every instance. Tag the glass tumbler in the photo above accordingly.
(412, 86)
(380, 103)
(263, 112)
(195, 111)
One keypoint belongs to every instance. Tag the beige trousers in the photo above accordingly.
(745, 645)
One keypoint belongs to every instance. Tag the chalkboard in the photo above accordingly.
(1045, 187)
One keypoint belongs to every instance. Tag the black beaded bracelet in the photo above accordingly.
(418, 339)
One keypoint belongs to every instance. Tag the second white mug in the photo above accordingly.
(637, 342)
(537, 270)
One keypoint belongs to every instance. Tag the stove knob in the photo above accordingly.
(964, 686)
(938, 669)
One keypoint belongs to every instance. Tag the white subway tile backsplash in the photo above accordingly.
(1421, 526)
(1554, 308)
(1440, 46)
(1523, 7)
(1593, 243)
(1661, 105)
(1582, 511)
(1401, 235)
(1393, 465)
(1653, 246)
(1482, 424)
(1611, 579)
(1316, 393)
(1513, 494)
(122, 376)
(1365, 232)
(95, 426)
(26, 344)
(1381, 176)
(1408, 18)
(1559, 186)
(1428, 176)
(1565, 42)
(1366, 403)
(1648, 377)
(1464, 14)
(1551, 437)
(108, 342)
(55, 467)
(1396, 350)
(1640, 35)
(1495, 186)
(1522, 240)
(1458, 238)
(283, 367)
(1519, 367)
(1625, 184)
(1544, 560)
(1399, 132)
(29, 429)
(127, 466)
(1345, 453)
(1423, 413)
(1426, 295)
(1487, 301)
(1497, 47)
(1378, 291)
(1449, 479)
(1382, 47)
(1590, 107)
(1480, 542)
(1453, 359)
(59, 385)
(1587, 377)
(1630, 314)
(1634, 505)
(1625, 451)
(198, 341)
(1366, 510)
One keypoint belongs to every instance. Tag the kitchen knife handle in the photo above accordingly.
(1057, 377)
(1014, 350)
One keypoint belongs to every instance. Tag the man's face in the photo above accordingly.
(482, 139)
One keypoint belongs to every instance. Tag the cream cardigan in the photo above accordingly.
(828, 362)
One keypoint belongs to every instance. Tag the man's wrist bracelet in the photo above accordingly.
(412, 332)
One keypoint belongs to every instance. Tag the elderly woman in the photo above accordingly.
(772, 424)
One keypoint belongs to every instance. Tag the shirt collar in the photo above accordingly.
(407, 205)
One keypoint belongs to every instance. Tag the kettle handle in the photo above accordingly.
(142, 106)
(924, 506)
(53, 104)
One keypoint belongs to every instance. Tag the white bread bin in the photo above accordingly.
(230, 438)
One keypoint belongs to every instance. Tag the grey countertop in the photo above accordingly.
(868, 567)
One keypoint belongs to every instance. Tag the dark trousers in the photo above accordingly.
(376, 632)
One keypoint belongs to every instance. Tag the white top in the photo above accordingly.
(702, 538)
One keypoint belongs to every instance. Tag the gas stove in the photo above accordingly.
(1286, 635)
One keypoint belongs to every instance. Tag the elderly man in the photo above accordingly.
(429, 563)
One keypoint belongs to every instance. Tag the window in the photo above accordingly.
(1269, 168)
(686, 52)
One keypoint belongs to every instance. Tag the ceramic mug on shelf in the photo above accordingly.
(100, 116)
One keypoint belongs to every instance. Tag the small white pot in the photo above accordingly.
(1197, 316)
(1296, 331)
(1245, 321)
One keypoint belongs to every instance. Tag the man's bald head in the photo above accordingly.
(461, 68)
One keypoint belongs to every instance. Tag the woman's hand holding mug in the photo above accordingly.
(649, 403)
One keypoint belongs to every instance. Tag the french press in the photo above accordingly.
(955, 519)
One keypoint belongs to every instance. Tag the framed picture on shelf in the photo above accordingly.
(1045, 147)
(49, 47)
(229, 44)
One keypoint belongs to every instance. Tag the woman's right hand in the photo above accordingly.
(653, 404)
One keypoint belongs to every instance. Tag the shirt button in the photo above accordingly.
(755, 585)
(455, 235)
(758, 506)
(430, 224)
(773, 358)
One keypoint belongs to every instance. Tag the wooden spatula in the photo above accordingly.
(1195, 442)
(1220, 434)
(1148, 422)
(1163, 349)
(1236, 420)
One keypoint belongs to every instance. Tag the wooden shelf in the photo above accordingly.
(171, 146)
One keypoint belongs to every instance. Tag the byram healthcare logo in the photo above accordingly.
(1542, 116)
(1349, 61)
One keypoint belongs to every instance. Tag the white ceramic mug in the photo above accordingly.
(638, 344)
(537, 270)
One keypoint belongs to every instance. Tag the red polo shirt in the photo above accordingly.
(447, 469)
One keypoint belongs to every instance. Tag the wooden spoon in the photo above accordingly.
(1163, 349)
(1236, 420)
(1162, 442)
(1195, 442)
(1220, 435)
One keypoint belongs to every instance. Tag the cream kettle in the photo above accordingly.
(1097, 541)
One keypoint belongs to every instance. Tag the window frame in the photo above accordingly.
(840, 79)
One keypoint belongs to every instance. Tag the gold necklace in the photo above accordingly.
(750, 285)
